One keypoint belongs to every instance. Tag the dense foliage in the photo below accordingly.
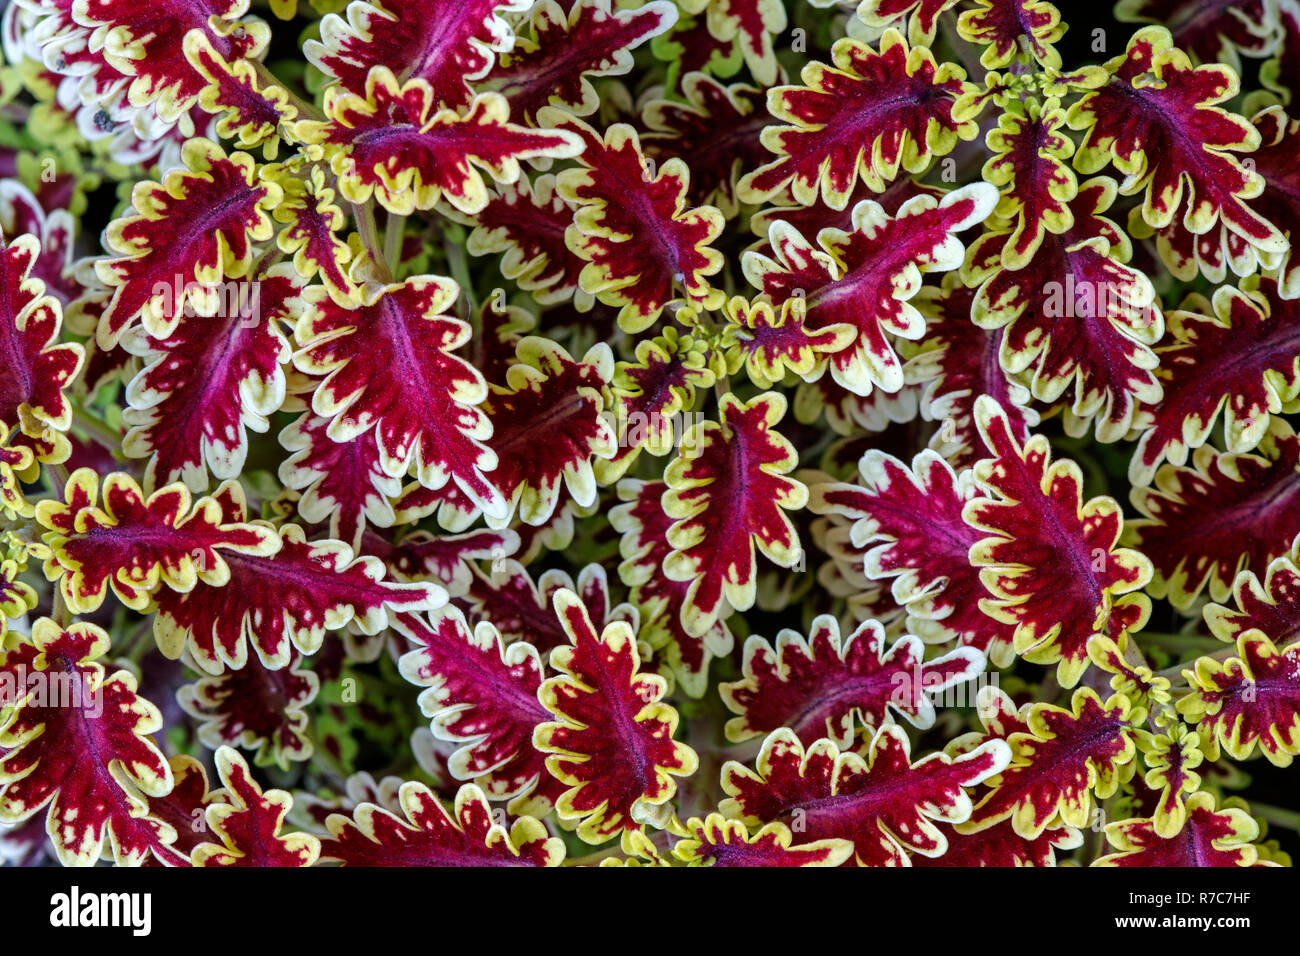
(649, 432)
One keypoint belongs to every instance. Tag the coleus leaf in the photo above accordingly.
(913, 517)
(886, 804)
(550, 64)
(36, 367)
(1203, 524)
(1252, 699)
(1009, 28)
(1253, 333)
(312, 217)
(283, 600)
(653, 394)
(1281, 72)
(136, 545)
(922, 16)
(717, 841)
(864, 277)
(255, 708)
(1270, 605)
(1074, 313)
(526, 223)
(481, 694)
(548, 426)
(768, 341)
(958, 361)
(248, 822)
(1211, 837)
(1031, 151)
(1050, 559)
(196, 226)
(213, 378)
(1171, 758)
(820, 686)
(430, 836)
(751, 24)
(394, 142)
(446, 43)
(644, 525)
(1001, 845)
(612, 739)
(632, 226)
(449, 558)
(717, 131)
(727, 490)
(1157, 119)
(1060, 760)
(1209, 33)
(79, 742)
(146, 43)
(250, 110)
(343, 483)
(867, 114)
(425, 410)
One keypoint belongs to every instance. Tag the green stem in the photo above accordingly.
(459, 267)
(86, 419)
(394, 230)
(1277, 816)
(364, 214)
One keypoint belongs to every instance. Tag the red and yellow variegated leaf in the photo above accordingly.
(1252, 699)
(1012, 28)
(248, 822)
(1203, 524)
(1271, 605)
(866, 115)
(822, 685)
(17, 597)
(922, 16)
(481, 694)
(36, 368)
(312, 218)
(612, 739)
(1211, 32)
(430, 836)
(884, 803)
(1281, 72)
(550, 65)
(913, 517)
(250, 110)
(717, 841)
(396, 144)
(145, 42)
(727, 490)
(1062, 758)
(653, 396)
(1031, 151)
(957, 362)
(632, 226)
(79, 742)
(215, 376)
(344, 484)
(864, 277)
(1171, 758)
(1210, 837)
(717, 131)
(769, 341)
(1001, 845)
(527, 223)
(751, 24)
(137, 545)
(643, 524)
(281, 601)
(1254, 337)
(447, 558)
(448, 43)
(390, 364)
(254, 708)
(1050, 559)
(197, 226)
(547, 426)
(1074, 313)
(1158, 120)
